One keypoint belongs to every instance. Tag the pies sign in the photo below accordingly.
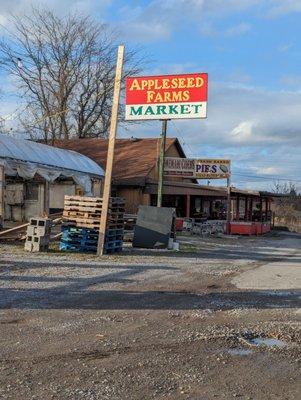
(197, 168)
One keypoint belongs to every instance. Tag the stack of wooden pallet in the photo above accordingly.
(78, 239)
(85, 213)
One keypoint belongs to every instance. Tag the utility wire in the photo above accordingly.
(183, 140)
(266, 177)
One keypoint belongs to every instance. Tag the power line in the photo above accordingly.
(267, 177)
(184, 143)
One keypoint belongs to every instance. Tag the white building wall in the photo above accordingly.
(58, 191)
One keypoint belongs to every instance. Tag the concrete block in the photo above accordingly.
(42, 240)
(31, 230)
(40, 226)
(28, 246)
(36, 245)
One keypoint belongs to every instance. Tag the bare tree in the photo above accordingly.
(64, 69)
(1, 124)
(288, 204)
(2, 119)
(290, 189)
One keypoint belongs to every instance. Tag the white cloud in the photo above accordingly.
(242, 132)
(221, 7)
(280, 7)
(241, 115)
(164, 17)
(208, 28)
(259, 129)
(276, 170)
(253, 114)
(159, 19)
(239, 76)
(140, 31)
(291, 80)
(19, 7)
(284, 47)
(173, 68)
(239, 29)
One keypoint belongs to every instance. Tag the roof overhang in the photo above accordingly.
(182, 188)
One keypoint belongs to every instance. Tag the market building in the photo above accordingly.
(34, 178)
(135, 178)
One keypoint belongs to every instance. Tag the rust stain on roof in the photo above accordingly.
(133, 158)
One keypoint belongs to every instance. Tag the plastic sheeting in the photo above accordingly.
(25, 158)
(28, 170)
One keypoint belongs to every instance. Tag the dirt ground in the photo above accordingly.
(153, 324)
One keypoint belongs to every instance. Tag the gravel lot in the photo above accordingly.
(153, 324)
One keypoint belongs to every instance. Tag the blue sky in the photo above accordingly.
(252, 52)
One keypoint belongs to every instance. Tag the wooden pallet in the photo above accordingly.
(86, 211)
(90, 201)
(89, 214)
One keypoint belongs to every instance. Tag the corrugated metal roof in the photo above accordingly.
(28, 151)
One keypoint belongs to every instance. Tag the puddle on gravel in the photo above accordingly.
(256, 342)
(239, 352)
(269, 342)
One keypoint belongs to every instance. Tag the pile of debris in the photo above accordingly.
(201, 228)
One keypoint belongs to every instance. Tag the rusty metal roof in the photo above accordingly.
(133, 158)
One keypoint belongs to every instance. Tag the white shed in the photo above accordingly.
(35, 177)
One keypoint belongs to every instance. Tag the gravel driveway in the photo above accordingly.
(153, 324)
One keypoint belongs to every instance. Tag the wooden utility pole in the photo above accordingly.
(228, 228)
(110, 154)
(2, 187)
(161, 163)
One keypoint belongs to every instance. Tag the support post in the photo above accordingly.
(228, 230)
(251, 209)
(110, 154)
(161, 163)
(2, 187)
(266, 209)
(237, 217)
(46, 199)
(246, 208)
(261, 209)
(261, 214)
(210, 208)
(188, 205)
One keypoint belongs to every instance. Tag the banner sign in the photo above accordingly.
(197, 168)
(166, 97)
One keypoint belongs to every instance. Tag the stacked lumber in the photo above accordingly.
(82, 219)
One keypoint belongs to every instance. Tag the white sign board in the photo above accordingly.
(197, 168)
